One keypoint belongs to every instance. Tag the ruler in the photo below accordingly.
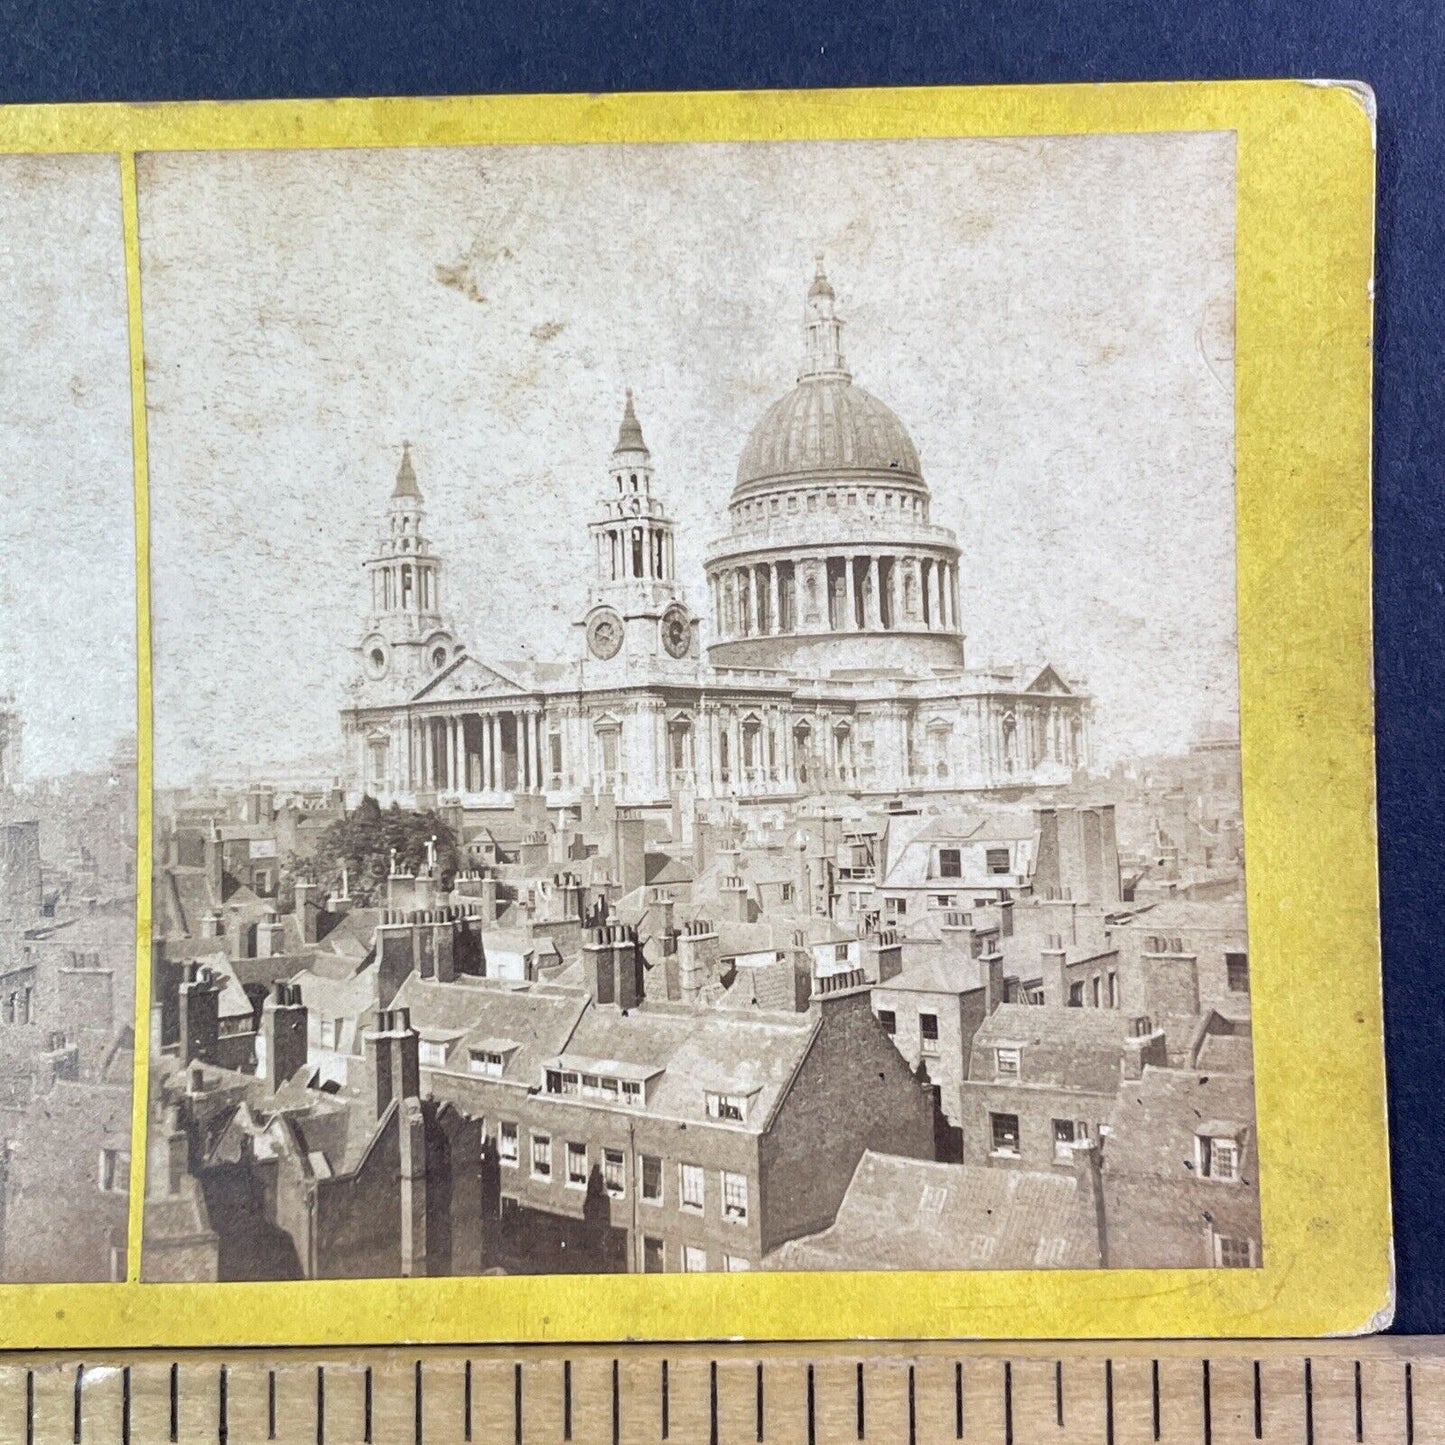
(1385, 1391)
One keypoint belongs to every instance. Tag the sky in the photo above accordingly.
(1052, 319)
(67, 551)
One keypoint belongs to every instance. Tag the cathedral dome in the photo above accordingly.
(826, 425)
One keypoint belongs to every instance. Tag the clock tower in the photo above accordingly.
(406, 637)
(637, 617)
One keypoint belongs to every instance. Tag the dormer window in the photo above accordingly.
(432, 1054)
(950, 863)
(732, 1108)
(632, 1094)
(1217, 1154)
(1006, 1061)
(996, 860)
(486, 1062)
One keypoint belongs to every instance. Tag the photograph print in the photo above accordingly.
(67, 724)
(696, 710)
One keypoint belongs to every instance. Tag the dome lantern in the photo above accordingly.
(822, 332)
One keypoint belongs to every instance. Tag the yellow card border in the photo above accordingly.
(1304, 253)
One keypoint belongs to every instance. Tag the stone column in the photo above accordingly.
(850, 620)
(938, 618)
(543, 764)
(756, 616)
(428, 770)
(873, 610)
(895, 592)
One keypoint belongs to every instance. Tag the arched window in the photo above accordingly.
(407, 584)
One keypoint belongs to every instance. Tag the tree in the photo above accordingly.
(366, 839)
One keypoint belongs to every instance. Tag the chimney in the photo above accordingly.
(396, 954)
(212, 925)
(1171, 977)
(200, 1010)
(995, 990)
(215, 862)
(664, 909)
(393, 1062)
(1089, 1177)
(733, 899)
(283, 1033)
(886, 948)
(1144, 1046)
(627, 967)
(172, 1155)
(1053, 961)
(270, 936)
(697, 958)
(629, 849)
(597, 967)
(308, 910)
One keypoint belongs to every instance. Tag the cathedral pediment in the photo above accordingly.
(1049, 681)
(467, 678)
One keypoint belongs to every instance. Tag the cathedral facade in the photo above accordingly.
(830, 660)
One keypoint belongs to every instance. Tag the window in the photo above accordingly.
(735, 1263)
(896, 907)
(1004, 1129)
(560, 1082)
(735, 1196)
(1006, 1063)
(1066, 1135)
(732, 1107)
(327, 1034)
(1076, 995)
(115, 1171)
(651, 1169)
(1097, 994)
(541, 1156)
(950, 863)
(1218, 1158)
(889, 1019)
(928, 1033)
(690, 1187)
(432, 1054)
(631, 1094)
(996, 860)
(1237, 967)
(614, 1172)
(1232, 1253)
(507, 1143)
(945, 900)
(653, 1257)
(576, 1165)
(484, 1061)
(840, 953)
(694, 1259)
(1113, 989)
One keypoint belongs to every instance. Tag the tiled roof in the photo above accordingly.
(1068, 1047)
(913, 1214)
(1157, 1117)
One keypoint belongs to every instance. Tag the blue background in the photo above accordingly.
(76, 50)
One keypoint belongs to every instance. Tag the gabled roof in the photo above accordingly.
(1079, 1048)
(914, 1214)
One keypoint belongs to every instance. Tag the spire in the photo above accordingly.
(822, 331)
(629, 434)
(405, 476)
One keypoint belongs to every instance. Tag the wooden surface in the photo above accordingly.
(1118, 1393)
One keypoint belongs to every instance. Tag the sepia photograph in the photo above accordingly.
(696, 710)
(67, 724)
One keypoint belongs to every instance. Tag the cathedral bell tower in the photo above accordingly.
(636, 614)
(406, 638)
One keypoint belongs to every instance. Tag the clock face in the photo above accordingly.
(676, 631)
(604, 633)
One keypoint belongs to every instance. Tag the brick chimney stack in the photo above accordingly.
(200, 1015)
(1053, 960)
(393, 1058)
(283, 1033)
